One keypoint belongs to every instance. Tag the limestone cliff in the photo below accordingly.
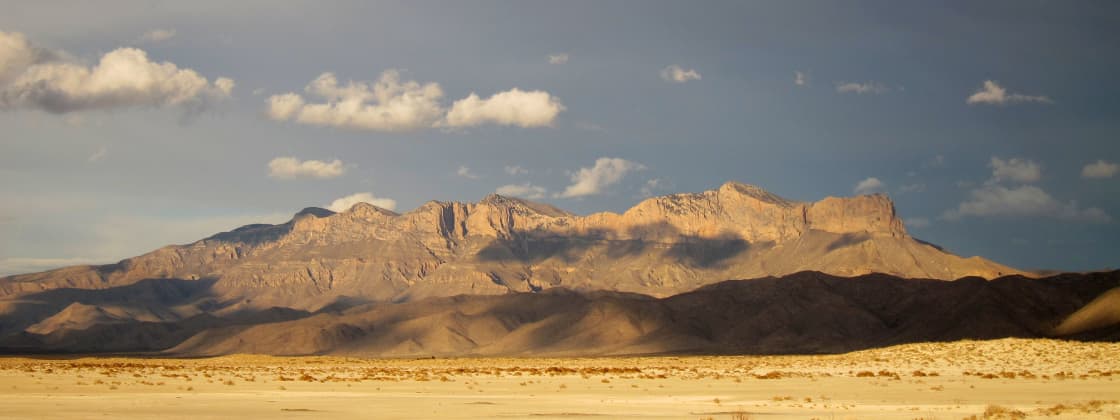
(662, 246)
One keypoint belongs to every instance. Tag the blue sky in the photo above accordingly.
(585, 105)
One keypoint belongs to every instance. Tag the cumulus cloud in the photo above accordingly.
(291, 168)
(869, 186)
(1015, 169)
(157, 35)
(345, 203)
(17, 54)
(594, 180)
(33, 78)
(994, 198)
(994, 94)
(1023, 201)
(465, 172)
(516, 170)
(393, 105)
(800, 79)
(861, 88)
(559, 58)
(385, 105)
(513, 107)
(525, 190)
(677, 74)
(1100, 169)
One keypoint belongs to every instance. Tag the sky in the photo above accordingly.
(126, 126)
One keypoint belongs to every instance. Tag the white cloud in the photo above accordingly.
(17, 54)
(345, 203)
(33, 78)
(158, 35)
(800, 79)
(559, 58)
(1015, 169)
(869, 186)
(284, 106)
(393, 105)
(98, 155)
(916, 222)
(525, 190)
(290, 168)
(594, 180)
(513, 107)
(516, 170)
(465, 172)
(1100, 169)
(676, 74)
(1023, 201)
(861, 88)
(652, 186)
(994, 94)
(385, 105)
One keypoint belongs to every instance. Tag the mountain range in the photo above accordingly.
(510, 276)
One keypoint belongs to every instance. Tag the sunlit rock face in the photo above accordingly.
(660, 247)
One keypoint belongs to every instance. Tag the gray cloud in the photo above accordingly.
(861, 88)
(1100, 169)
(994, 94)
(157, 35)
(1023, 201)
(465, 172)
(869, 186)
(678, 74)
(526, 190)
(1015, 169)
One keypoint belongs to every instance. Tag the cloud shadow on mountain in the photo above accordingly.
(661, 238)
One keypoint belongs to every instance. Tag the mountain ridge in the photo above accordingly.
(804, 313)
(661, 246)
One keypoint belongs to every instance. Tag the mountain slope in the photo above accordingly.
(806, 312)
(660, 247)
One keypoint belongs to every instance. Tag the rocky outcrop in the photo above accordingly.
(660, 247)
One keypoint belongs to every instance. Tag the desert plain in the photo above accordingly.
(1008, 378)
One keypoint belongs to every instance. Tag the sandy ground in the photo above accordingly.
(997, 379)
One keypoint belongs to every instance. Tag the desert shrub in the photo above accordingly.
(1001, 412)
(770, 375)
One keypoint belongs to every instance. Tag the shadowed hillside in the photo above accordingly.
(806, 312)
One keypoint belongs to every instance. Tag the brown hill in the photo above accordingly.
(660, 247)
(806, 312)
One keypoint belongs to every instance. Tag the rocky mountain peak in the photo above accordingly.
(753, 191)
(662, 245)
(367, 210)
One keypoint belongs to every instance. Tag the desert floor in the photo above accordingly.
(1001, 379)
